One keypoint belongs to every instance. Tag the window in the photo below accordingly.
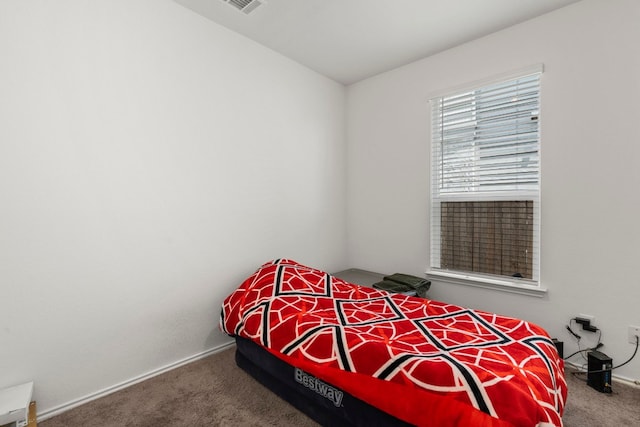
(485, 193)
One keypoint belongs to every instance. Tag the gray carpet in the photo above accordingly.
(215, 392)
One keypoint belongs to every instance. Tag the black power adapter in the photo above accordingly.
(586, 324)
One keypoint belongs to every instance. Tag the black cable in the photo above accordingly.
(570, 329)
(585, 349)
(578, 337)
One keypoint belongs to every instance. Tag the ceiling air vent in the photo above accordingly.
(245, 6)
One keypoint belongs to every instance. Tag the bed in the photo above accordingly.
(351, 355)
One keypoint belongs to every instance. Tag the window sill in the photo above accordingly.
(487, 283)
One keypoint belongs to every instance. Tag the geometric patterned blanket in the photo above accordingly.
(426, 362)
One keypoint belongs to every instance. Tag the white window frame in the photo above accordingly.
(502, 283)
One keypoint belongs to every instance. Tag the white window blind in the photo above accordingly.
(485, 179)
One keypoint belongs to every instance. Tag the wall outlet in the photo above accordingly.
(634, 331)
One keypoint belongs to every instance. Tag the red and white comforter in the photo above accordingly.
(426, 362)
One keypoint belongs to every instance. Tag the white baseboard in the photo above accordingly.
(617, 378)
(104, 392)
(41, 416)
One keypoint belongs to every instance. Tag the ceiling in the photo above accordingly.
(350, 40)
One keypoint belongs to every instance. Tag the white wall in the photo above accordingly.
(590, 175)
(149, 161)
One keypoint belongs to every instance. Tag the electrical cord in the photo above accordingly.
(584, 349)
(570, 329)
(578, 338)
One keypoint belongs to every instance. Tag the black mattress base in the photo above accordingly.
(322, 402)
